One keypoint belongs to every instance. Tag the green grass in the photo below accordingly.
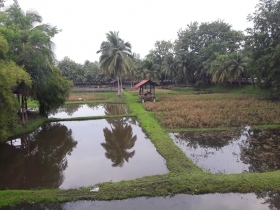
(183, 176)
(88, 118)
(32, 103)
(248, 89)
(19, 129)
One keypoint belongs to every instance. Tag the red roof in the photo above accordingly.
(144, 82)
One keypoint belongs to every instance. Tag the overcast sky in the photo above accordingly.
(84, 23)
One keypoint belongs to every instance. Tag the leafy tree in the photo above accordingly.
(55, 93)
(10, 75)
(162, 50)
(71, 70)
(30, 46)
(116, 57)
(263, 42)
(92, 71)
(198, 43)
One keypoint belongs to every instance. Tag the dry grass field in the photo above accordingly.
(214, 110)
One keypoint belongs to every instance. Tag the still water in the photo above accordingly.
(240, 151)
(233, 201)
(85, 110)
(79, 153)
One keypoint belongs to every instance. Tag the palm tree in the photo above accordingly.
(148, 70)
(219, 68)
(229, 67)
(237, 66)
(170, 68)
(182, 62)
(116, 57)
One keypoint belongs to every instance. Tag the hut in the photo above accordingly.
(146, 90)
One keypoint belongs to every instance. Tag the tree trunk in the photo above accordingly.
(121, 83)
(118, 79)
(26, 115)
(22, 109)
(18, 98)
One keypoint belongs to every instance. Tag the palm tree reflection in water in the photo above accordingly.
(119, 139)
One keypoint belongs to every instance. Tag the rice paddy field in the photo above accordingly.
(214, 110)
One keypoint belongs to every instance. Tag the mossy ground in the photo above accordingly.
(183, 176)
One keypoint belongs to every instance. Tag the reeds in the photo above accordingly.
(214, 110)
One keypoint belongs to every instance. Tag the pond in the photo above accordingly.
(79, 153)
(233, 201)
(84, 110)
(240, 151)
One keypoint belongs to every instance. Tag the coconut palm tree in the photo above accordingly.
(237, 66)
(148, 70)
(170, 68)
(229, 67)
(116, 57)
(219, 68)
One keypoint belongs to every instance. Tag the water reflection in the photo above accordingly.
(261, 150)
(83, 110)
(116, 109)
(119, 139)
(272, 199)
(244, 150)
(46, 159)
(233, 201)
(38, 159)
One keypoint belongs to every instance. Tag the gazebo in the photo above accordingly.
(146, 90)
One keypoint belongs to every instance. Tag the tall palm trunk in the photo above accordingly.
(118, 78)
(121, 83)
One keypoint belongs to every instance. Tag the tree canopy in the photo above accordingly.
(263, 43)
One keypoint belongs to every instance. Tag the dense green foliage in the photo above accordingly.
(55, 94)
(10, 75)
(264, 44)
(27, 65)
(88, 73)
(213, 52)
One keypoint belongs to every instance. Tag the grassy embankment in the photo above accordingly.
(184, 176)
